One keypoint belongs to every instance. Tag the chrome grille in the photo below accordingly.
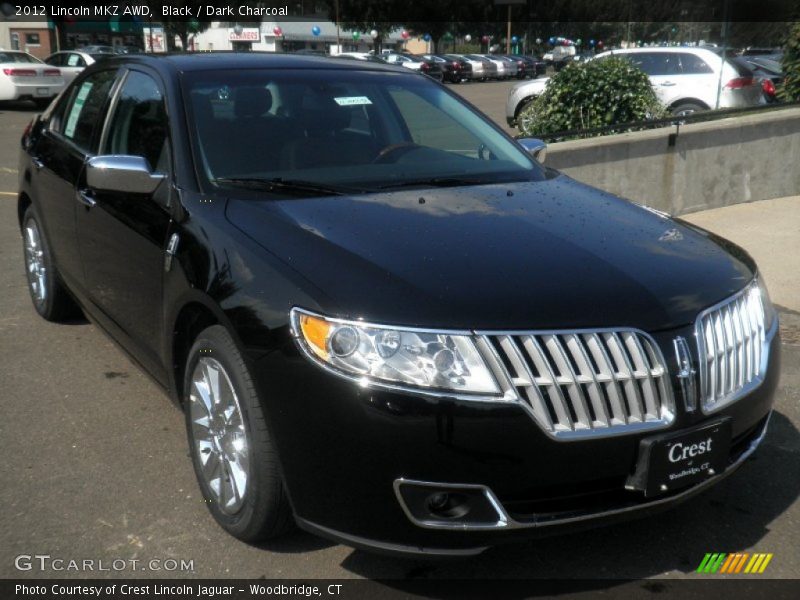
(585, 383)
(731, 344)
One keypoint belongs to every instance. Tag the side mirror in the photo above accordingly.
(535, 147)
(121, 173)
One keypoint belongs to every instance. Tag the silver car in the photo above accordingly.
(72, 62)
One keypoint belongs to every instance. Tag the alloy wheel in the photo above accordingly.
(219, 435)
(34, 262)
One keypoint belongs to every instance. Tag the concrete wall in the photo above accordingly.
(714, 164)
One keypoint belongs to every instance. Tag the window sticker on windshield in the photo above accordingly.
(352, 100)
(72, 61)
(77, 107)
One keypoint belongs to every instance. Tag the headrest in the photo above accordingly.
(252, 102)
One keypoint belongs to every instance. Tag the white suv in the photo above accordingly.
(685, 80)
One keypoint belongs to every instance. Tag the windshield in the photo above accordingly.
(353, 130)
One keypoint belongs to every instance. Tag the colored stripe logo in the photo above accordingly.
(738, 562)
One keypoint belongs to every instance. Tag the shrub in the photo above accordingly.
(589, 95)
(790, 90)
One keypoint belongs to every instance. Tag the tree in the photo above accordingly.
(180, 26)
(790, 90)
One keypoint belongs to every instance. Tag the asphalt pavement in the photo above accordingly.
(95, 459)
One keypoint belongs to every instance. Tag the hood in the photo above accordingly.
(533, 255)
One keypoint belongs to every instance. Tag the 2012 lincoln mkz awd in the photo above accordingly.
(386, 320)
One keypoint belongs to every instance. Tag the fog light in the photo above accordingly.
(448, 505)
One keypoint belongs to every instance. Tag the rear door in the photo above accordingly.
(73, 65)
(698, 79)
(664, 70)
(69, 137)
(122, 236)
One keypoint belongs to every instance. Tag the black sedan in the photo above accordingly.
(408, 338)
(455, 69)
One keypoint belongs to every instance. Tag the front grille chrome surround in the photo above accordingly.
(584, 383)
(733, 346)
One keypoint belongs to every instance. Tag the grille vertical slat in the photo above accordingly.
(731, 339)
(583, 383)
(609, 377)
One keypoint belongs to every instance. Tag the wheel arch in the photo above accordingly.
(23, 202)
(697, 101)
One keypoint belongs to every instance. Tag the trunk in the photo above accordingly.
(184, 35)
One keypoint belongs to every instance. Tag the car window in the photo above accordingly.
(56, 60)
(85, 109)
(19, 57)
(138, 126)
(75, 60)
(691, 64)
(656, 63)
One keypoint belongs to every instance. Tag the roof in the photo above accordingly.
(205, 61)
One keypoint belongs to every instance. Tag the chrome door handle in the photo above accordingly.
(666, 83)
(37, 162)
(85, 199)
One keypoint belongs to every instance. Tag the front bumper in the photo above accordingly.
(343, 448)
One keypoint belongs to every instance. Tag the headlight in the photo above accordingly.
(760, 290)
(397, 356)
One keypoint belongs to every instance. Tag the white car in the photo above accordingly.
(686, 80)
(72, 62)
(25, 77)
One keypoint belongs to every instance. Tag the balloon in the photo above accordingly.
(427, 37)
(591, 42)
(485, 39)
(373, 34)
(278, 31)
(539, 41)
(600, 43)
(552, 41)
(468, 38)
(356, 35)
(514, 39)
(404, 34)
(579, 41)
(315, 30)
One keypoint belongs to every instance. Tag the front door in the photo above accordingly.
(123, 236)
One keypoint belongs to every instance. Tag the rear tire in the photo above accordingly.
(49, 296)
(234, 459)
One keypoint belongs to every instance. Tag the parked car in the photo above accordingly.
(408, 331)
(453, 69)
(481, 68)
(98, 49)
(361, 56)
(534, 66)
(688, 80)
(503, 67)
(768, 70)
(491, 69)
(465, 66)
(515, 68)
(72, 62)
(415, 63)
(25, 77)
(128, 49)
(684, 79)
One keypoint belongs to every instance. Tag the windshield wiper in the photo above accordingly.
(435, 182)
(288, 185)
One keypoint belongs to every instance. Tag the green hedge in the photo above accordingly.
(589, 95)
(790, 90)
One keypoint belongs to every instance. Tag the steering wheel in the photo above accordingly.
(394, 149)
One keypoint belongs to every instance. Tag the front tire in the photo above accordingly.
(685, 109)
(49, 296)
(232, 452)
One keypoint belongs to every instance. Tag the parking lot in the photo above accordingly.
(96, 460)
